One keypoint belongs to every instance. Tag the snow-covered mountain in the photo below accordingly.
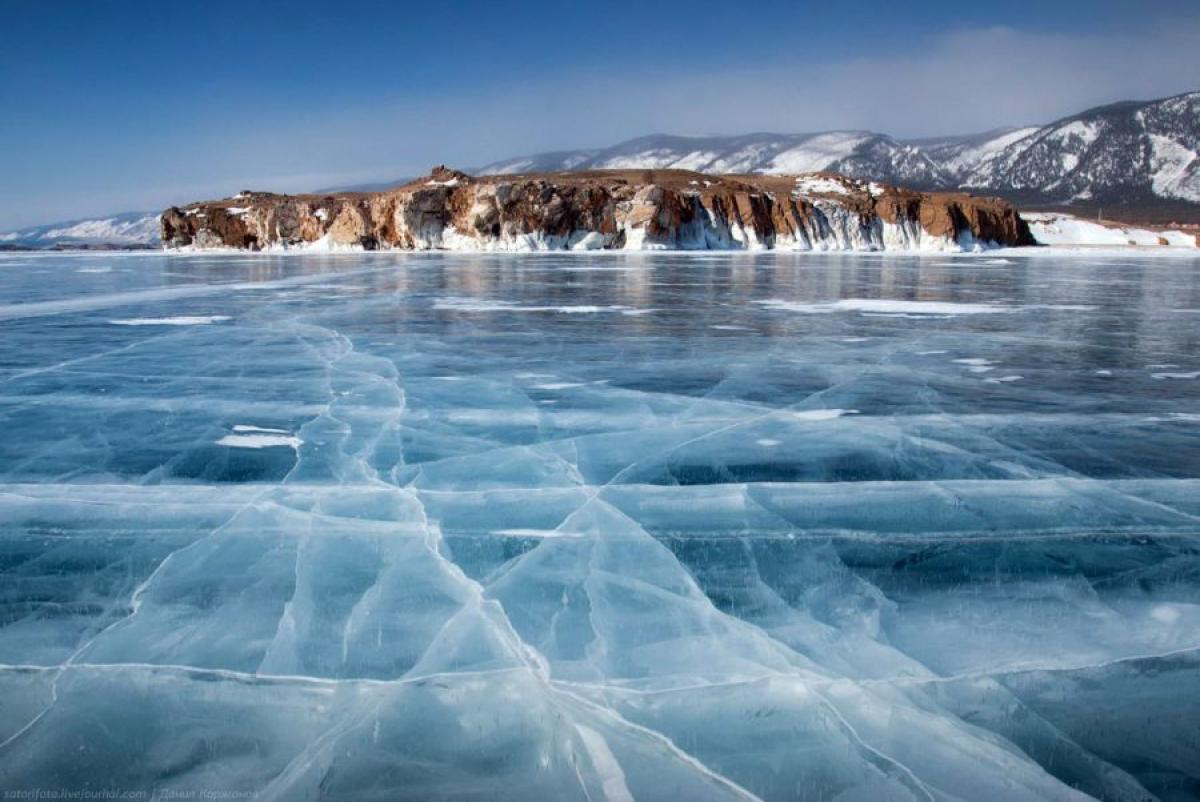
(959, 156)
(1131, 152)
(860, 154)
(130, 229)
(1127, 152)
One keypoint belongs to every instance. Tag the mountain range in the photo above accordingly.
(123, 230)
(1130, 153)
(1135, 159)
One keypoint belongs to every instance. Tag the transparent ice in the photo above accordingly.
(609, 527)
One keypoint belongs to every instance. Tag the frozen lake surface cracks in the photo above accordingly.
(603, 527)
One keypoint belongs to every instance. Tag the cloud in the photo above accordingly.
(964, 81)
(961, 82)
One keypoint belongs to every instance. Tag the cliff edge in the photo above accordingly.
(604, 209)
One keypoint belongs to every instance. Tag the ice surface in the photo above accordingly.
(600, 527)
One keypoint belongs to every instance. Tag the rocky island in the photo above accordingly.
(604, 209)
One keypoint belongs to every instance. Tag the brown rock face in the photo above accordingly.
(604, 209)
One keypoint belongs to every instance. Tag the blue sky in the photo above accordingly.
(111, 106)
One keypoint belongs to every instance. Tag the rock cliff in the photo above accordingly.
(609, 209)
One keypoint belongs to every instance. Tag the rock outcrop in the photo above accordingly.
(609, 209)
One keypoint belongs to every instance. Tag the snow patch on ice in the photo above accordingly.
(886, 306)
(245, 427)
(458, 304)
(977, 364)
(182, 320)
(259, 441)
(822, 414)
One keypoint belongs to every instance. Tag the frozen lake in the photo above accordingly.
(611, 527)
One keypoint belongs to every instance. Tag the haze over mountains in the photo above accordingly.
(1131, 154)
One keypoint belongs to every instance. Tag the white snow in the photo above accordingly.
(250, 436)
(1078, 133)
(811, 184)
(977, 156)
(698, 160)
(1062, 229)
(259, 441)
(323, 244)
(457, 304)
(822, 414)
(887, 306)
(138, 231)
(647, 159)
(244, 427)
(571, 162)
(1175, 169)
(182, 320)
(816, 153)
(511, 167)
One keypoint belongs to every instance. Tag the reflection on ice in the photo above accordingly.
(601, 527)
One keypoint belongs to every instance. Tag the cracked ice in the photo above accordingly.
(602, 527)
